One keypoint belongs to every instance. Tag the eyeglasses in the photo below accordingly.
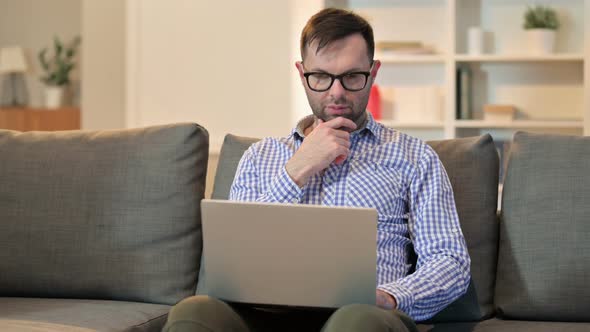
(352, 81)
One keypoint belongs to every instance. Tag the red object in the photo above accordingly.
(374, 105)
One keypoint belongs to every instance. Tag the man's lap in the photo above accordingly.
(203, 313)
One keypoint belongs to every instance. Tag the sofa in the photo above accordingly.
(100, 231)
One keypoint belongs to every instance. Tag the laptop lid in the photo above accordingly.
(285, 254)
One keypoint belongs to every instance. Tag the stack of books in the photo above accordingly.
(403, 48)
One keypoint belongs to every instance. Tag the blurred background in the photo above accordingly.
(451, 68)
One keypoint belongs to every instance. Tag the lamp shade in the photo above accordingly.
(12, 60)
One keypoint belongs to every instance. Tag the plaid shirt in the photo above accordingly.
(404, 180)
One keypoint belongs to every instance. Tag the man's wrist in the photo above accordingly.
(299, 175)
(386, 300)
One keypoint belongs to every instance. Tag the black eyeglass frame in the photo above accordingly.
(339, 77)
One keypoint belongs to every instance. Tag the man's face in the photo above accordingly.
(342, 56)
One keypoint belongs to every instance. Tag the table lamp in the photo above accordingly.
(13, 66)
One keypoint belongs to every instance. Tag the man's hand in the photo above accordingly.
(385, 300)
(328, 142)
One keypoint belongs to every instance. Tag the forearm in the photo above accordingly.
(281, 190)
(432, 287)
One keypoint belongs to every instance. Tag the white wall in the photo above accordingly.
(226, 65)
(32, 24)
(103, 48)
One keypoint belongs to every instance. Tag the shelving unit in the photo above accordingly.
(574, 57)
(522, 124)
(550, 92)
(398, 59)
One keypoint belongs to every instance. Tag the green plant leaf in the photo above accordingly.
(540, 17)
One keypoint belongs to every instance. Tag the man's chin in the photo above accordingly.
(332, 117)
(326, 118)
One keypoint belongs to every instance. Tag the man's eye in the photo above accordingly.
(321, 77)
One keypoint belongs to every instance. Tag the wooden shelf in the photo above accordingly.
(410, 125)
(564, 57)
(410, 59)
(546, 124)
(40, 119)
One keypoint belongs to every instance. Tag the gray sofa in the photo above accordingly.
(100, 231)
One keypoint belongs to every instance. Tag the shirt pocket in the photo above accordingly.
(379, 185)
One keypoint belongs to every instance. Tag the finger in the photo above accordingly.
(340, 142)
(340, 160)
(340, 152)
(339, 134)
(340, 122)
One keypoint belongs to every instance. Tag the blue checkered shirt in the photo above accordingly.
(404, 180)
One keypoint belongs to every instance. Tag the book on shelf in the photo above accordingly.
(497, 112)
(464, 93)
(403, 48)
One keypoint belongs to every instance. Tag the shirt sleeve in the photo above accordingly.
(443, 267)
(247, 183)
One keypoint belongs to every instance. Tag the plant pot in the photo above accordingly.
(541, 41)
(54, 96)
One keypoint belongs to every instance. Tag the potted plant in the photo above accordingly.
(541, 22)
(57, 67)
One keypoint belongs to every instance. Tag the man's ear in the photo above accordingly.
(376, 66)
(299, 65)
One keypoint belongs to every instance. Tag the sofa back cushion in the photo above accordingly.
(229, 157)
(102, 215)
(544, 254)
(472, 166)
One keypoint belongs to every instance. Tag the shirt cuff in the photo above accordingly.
(403, 297)
(284, 189)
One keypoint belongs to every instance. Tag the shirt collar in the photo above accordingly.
(369, 126)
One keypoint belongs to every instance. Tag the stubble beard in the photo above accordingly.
(355, 115)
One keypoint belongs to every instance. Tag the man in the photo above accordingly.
(339, 155)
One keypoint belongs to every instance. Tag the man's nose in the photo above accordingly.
(337, 90)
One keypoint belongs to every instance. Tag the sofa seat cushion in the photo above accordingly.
(500, 325)
(108, 215)
(544, 255)
(65, 315)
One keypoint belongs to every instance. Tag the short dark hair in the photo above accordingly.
(331, 24)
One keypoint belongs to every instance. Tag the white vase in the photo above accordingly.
(474, 41)
(54, 96)
(541, 41)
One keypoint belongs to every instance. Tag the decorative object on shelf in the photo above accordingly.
(464, 92)
(374, 104)
(475, 41)
(500, 113)
(541, 23)
(403, 48)
(58, 67)
(13, 63)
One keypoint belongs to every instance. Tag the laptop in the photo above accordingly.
(270, 254)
